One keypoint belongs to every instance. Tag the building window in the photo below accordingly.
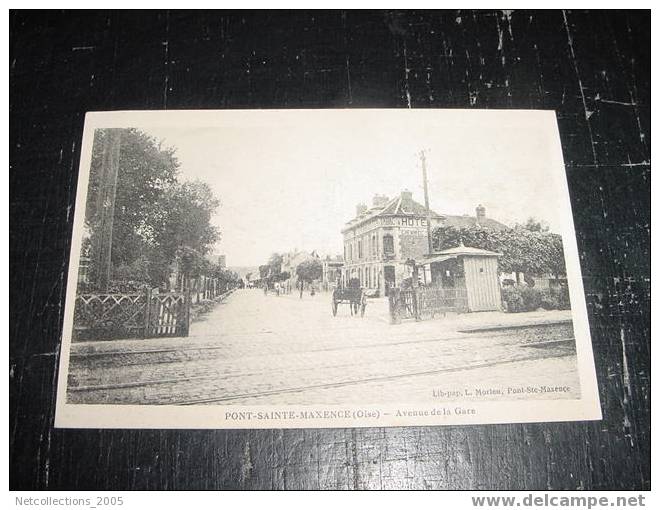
(359, 248)
(388, 244)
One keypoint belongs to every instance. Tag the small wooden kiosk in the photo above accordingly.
(472, 269)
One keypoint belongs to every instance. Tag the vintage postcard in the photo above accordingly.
(323, 268)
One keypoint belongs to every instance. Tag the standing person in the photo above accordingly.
(265, 288)
(277, 288)
(300, 284)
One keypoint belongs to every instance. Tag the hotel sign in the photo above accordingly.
(402, 221)
(387, 221)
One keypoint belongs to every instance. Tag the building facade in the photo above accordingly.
(382, 240)
(332, 271)
(290, 262)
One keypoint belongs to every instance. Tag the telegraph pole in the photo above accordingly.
(426, 202)
(105, 208)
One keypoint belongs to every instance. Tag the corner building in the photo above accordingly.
(380, 239)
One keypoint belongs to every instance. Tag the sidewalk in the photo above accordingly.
(205, 332)
(283, 349)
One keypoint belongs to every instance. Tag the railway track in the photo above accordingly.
(179, 354)
(229, 398)
(562, 347)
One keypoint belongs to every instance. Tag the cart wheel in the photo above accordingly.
(334, 308)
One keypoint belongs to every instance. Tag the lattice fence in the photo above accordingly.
(136, 315)
(425, 303)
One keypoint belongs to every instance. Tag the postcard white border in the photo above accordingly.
(214, 416)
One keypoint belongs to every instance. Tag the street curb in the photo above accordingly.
(484, 329)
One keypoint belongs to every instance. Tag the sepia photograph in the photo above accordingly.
(317, 268)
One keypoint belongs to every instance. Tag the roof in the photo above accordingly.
(399, 206)
(404, 204)
(468, 251)
(291, 260)
(458, 251)
(471, 221)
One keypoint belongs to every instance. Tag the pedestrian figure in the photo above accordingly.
(300, 284)
(277, 288)
(265, 288)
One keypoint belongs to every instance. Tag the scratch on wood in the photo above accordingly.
(587, 113)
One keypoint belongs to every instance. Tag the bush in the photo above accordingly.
(529, 299)
(513, 300)
(555, 299)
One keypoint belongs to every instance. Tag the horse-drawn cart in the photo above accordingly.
(352, 295)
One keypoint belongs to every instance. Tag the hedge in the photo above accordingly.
(529, 299)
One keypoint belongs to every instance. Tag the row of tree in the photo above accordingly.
(159, 222)
(530, 248)
(307, 271)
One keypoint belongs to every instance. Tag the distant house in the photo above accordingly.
(332, 268)
(290, 262)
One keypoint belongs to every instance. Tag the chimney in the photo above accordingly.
(406, 195)
(380, 201)
(481, 213)
(360, 208)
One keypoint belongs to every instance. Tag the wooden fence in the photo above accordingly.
(425, 303)
(145, 314)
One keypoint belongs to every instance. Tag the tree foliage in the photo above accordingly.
(226, 277)
(309, 270)
(184, 219)
(522, 250)
(534, 225)
(157, 219)
(272, 271)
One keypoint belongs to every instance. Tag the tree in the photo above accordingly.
(275, 264)
(157, 219)
(283, 276)
(145, 172)
(555, 260)
(534, 225)
(272, 269)
(185, 219)
(192, 264)
(309, 270)
(263, 271)
(522, 250)
(227, 278)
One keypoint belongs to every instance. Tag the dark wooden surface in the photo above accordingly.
(593, 68)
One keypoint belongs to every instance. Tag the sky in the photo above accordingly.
(292, 180)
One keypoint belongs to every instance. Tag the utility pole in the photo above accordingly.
(426, 202)
(105, 208)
